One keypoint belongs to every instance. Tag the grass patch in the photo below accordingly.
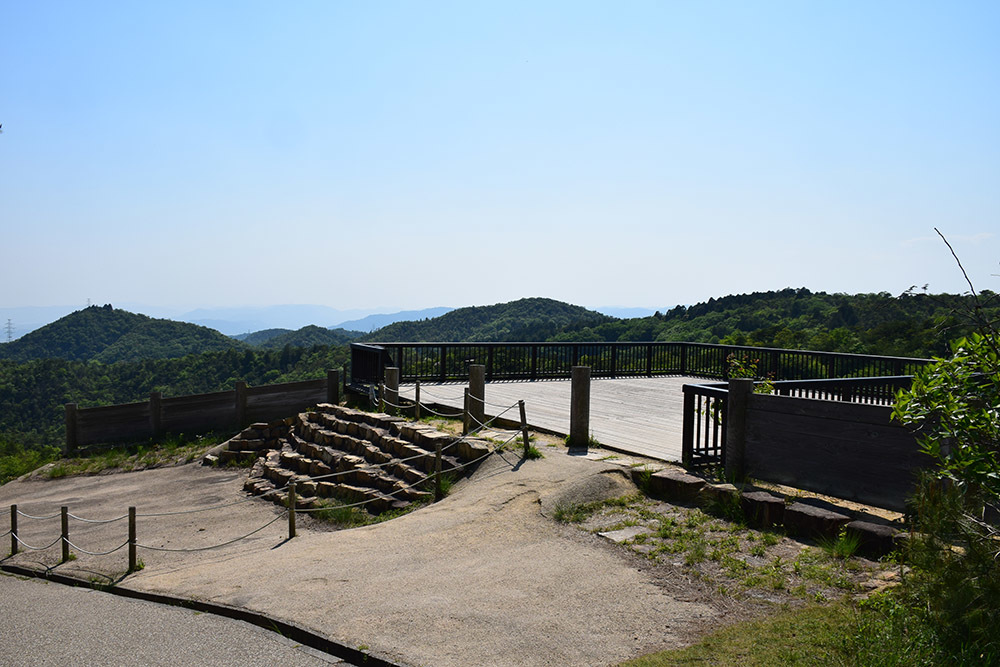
(170, 450)
(532, 453)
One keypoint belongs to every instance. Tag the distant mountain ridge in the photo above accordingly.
(528, 319)
(102, 333)
(380, 320)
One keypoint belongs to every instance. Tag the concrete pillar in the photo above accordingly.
(477, 393)
(579, 408)
(740, 390)
(391, 396)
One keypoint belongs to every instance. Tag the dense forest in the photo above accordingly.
(101, 356)
(532, 319)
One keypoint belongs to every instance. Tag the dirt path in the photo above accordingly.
(483, 577)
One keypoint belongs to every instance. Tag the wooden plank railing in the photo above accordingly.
(449, 362)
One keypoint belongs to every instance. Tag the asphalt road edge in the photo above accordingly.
(286, 629)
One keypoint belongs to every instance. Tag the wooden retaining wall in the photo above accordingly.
(847, 450)
(196, 413)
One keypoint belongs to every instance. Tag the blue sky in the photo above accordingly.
(413, 154)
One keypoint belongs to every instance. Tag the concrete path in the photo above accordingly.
(50, 624)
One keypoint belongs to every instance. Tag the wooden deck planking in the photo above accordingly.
(636, 415)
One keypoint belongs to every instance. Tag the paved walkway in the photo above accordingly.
(637, 415)
(51, 624)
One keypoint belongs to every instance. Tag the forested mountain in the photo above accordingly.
(919, 325)
(308, 337)
(102, 333)
(532, 319)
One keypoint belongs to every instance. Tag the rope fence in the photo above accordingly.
(288, 511)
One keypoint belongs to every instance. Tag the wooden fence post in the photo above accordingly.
(71, 435)
(416, 401)
(466, 416)
(438, 493)
(579, 408)
(64, 517)
(13, 530)
(390, 392)
(740, 390)
(687, 432)
(132, 560)
(155, 416)
(477, 393)
(241, 404)
(333, 386)
(292, 500)
(524, 428)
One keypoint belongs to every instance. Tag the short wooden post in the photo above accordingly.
(132, 560)
(381, 397)
(438, 493)
(687, 432)
(579, 407)
(477, 393)
(416, 401)
(241, 403)
(71, 434)
(13, 530)
(64, 517)
(333, 386)
(292, 500)
(466, 415)
(391, 391)
(155, 416)
(524, 428)
(740, 390)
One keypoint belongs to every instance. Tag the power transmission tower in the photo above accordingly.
(10, 330)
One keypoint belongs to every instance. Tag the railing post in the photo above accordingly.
(71, 433)
(684, 359)
(390, 393)
(444, 362)
(687, 434)
(534, 362)
(333, 386)
(64, 519)
(132, 560)
(489, 363)
(13, 530)
(155, 416)
(649, 360)
(524, 428)
(477, 393)
(579, 408)
(740, 390)
(438, 492)
(614, 360)
(292, 501)
(241, 403)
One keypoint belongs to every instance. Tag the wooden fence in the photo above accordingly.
(449, 362)
(834, 437)
(198, 413)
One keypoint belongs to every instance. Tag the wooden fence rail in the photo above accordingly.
(197, 413)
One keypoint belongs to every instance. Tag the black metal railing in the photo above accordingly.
(449, 362)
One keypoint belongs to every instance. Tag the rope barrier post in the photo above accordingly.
(13, 529)
(524, 428)
(466, 417)
(132, 561)
(291, 510)
(416, 402)
(381, 393)
(477, 392)
(438, 494)
(390, 393)
(64, 516)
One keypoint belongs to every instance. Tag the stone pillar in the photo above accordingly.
(391, 395)
(477, 394)
(740, 390)
(579, 408)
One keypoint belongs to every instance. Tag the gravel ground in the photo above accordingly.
(483, 577)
